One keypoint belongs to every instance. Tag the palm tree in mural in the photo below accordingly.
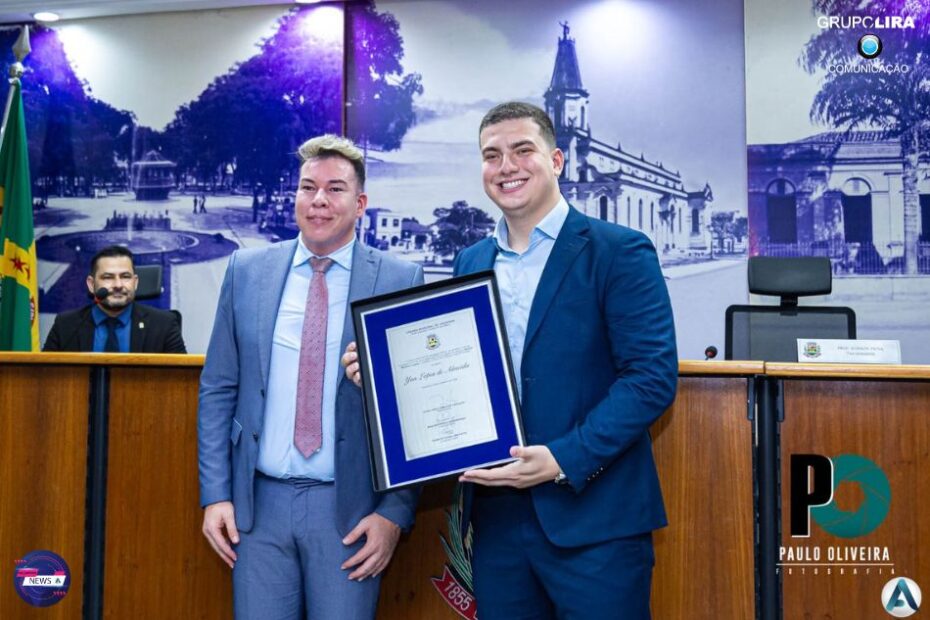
(896, 101)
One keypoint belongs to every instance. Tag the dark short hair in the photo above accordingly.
(111, 251)
(331, 145)
(515, 110)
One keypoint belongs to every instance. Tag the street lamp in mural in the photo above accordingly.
(888, 92)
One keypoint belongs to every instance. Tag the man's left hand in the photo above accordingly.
(381, 536)
(535, 465)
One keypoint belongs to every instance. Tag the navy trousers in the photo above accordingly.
(520, 575)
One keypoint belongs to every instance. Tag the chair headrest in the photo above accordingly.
(150, 281)
(790, 277)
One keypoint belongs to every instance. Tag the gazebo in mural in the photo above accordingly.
(152, 177)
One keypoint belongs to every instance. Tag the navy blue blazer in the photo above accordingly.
(234, 382)
(599, 367)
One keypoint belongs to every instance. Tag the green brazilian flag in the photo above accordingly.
(19, 299)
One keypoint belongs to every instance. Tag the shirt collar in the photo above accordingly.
(549, 226)
(342, 256)
(100, 316)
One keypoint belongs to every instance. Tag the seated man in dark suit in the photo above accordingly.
(114, 323)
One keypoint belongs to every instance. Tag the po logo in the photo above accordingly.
(814, 478)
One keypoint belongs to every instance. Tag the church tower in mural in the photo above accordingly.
(604, 181)
(566, 99)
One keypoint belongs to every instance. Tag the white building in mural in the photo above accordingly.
(606, 182)
(836, 195)
(383, 227)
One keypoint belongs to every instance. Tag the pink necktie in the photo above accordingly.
(308, 423)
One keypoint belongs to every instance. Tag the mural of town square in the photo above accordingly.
(649, 116)
(173, 134)
(838, 157)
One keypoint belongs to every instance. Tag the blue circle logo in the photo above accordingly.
(869, 46)
(42, 578)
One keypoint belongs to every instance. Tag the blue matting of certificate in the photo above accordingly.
(399, 470)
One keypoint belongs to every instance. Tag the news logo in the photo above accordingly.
(869, 46)
(901, 597)
(42, 578)
(815, 477)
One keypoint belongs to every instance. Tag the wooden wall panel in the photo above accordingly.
(886, 422)
(703, 450)
(158, 564)
(43, 461)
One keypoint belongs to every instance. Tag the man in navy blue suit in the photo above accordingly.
(566, 530)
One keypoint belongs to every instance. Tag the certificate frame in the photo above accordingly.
(407, 445)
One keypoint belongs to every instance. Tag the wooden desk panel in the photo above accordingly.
(703, 450)
(43, 462)
(888, 423)
(704, 559)
(158, 564)
(406, 589)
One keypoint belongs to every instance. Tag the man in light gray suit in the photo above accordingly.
(285, 479)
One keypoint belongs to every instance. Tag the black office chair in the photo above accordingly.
(770, 333)
(150, 285)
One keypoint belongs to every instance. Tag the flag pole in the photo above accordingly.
(19, 296)
(21, 49)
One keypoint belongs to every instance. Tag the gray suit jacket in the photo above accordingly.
(235, 380)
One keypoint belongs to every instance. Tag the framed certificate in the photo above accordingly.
(437, 379)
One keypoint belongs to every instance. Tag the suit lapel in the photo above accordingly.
(85, 333)
(136, 335)
(568, 245)
(277, 265)
(365, 265)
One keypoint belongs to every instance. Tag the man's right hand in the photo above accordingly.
(219, 521)
(350, 363)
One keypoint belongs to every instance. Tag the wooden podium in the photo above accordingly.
(881, 413)
(98, 462)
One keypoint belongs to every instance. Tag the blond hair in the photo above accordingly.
(331, 145)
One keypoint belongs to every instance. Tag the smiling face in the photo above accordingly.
(328, 203)
(520, 171)
(116, 274)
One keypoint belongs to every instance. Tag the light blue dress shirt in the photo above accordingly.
(277, 455)
(518, 276)
(123, 330)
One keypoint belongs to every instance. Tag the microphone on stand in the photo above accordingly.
(710, 353)
(100, 294)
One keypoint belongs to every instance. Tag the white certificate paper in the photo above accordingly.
(439, 380)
